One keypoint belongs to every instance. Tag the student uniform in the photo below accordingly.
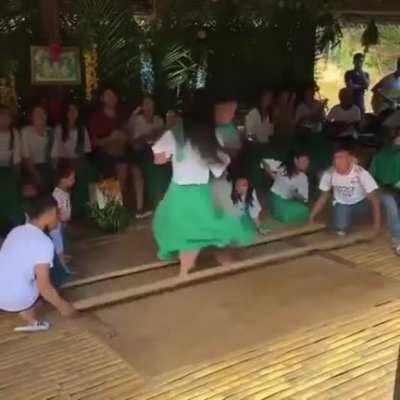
(42, 151)
(284, 205)
(75, 149)
(257, 126)
(187, 219)
(10, 159)
(24, 248)
(249, 213)
(349, 194)
(156, 177)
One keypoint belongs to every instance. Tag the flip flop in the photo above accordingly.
(38, 326)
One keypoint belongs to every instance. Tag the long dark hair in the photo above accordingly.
(235, 196)
(265, 113)
(5, 109)
(289, 164)
(199, 127)
(65, 129)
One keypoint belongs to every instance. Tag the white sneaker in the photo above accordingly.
(143, 214)
(341, 233)
(38, 326)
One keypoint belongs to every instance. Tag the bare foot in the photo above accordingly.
(224, 258)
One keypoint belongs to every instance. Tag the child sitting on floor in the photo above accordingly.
(246, 202)
(65, 181)
(290, 190)
(26, 258)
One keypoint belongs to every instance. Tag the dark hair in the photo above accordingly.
(344, 145)
(64, 170)
(199, 127)
(40, 206)
(259, 107)
(358, 56)
(289, 164)
(6, 109)
(65, 129)
(235, 196)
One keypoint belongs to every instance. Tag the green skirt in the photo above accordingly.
(86, 174)
(10, 196)
(288, 211)
(187, 220)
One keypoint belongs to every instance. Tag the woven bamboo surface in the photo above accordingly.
(349, 358)
(61, 364)
(376, 256)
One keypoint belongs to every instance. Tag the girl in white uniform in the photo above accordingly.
(39, 149)
(187, 220)
(10, 159)
(290, 190)
(73, 144)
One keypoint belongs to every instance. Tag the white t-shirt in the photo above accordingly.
(287, 187)
(262, 129)
(35, 146)
(67, 149)
(338, 114)
(192, 169)
(63, 200)
(254, 209)
(10, 156)
(348, 189)
(139, 127)
(24, 248)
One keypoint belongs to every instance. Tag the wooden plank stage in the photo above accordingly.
(354, 357)
(61, 364)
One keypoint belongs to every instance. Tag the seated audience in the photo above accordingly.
(39, 150)
(344, 118)
(144, 128)
(358, 81)
(109, 141)
(73, 145)
(310, 112)
(10, 160)
(290, 190)
(246, 202)
(284, 113)
(258, 122)
(26, 258)
(353, 189)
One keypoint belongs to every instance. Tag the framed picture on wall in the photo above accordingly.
(143, 7)
(64, 69)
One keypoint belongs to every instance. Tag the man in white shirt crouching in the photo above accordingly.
(353, 190)
(26, 257)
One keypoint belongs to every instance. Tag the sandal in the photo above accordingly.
(38, 326)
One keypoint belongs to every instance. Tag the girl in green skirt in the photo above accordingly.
(39, 150)
(187, 220)
(73, 144)
(10, 159)
(290, 192)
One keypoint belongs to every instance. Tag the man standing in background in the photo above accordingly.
(358, 80)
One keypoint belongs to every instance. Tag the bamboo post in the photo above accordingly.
(196, 277)
(273, 237)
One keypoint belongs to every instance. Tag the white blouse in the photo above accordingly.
(10, 156)
(254, 210)
(192, 169)
(262, 129)
(67, 149)
(34, 146)
(139, 127)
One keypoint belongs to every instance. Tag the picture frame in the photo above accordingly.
(65, 71)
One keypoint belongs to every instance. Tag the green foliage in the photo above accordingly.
(113, 218)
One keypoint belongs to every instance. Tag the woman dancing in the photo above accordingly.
(187, 220)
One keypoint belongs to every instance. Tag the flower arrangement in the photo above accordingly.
(106, 208)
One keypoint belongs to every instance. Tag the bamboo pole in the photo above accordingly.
(196, 277)
(273, 237)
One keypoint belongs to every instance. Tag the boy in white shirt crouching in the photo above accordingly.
(26, 257)
(353, 189)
